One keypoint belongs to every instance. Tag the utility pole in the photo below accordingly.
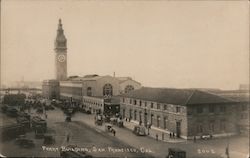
(227, 147)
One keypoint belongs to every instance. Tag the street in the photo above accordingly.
(93, 142)
(93, 139)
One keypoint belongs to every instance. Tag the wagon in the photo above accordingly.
(109, 127)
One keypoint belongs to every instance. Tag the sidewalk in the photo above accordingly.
(162, 134)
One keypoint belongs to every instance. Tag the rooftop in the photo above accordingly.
(177, 96)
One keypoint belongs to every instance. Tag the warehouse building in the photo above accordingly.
(186, 112)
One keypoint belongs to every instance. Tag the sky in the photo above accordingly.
(177, 44)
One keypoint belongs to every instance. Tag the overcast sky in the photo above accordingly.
(177, 44)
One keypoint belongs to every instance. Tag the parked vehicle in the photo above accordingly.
(176, 153)
(206, 136)
(113, 120)
(39, 131)
(88, 112)
(108, 127)
(24, 114)
(53, 101)
(68, 119)
(24, 121)
(12, 112)
(37, 121)
(139, 130)
(98, 120)
(119, 123)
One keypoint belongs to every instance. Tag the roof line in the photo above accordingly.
(190, 97)
(229, 99)
(130, 80)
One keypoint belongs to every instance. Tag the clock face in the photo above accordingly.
(61, 58)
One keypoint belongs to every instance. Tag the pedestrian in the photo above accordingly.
(170, 135)
(173, 135)
(126, 119)
(114, 132)
(67, 137)
(194, 139)
(156, 136)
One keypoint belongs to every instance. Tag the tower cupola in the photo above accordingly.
(61, 41)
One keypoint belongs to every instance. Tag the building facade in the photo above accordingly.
(74, 87)
(71, 90)
(186, 112)
(241, 96)
(95, 85)
(109, 106)
(50, 89)
(60, 54)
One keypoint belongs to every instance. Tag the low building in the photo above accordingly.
(71, 90)
(186, 112)
(241, 96)
(75, 87)
(94, 85)
(50, 89)
(102, 105)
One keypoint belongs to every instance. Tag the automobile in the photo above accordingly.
(88, 112)
(53, 101)
(108, 127)
(39, 131)
(98, 120)
(120, 123)
(24, 121)
(113, 120)
(11, 111)
(24, 142)
(176, 153)
(37, 121)
(68, 111)
(48, 139)
(139, 130)
(24, 114)
(206, 136)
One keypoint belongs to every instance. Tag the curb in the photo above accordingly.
(167, 141)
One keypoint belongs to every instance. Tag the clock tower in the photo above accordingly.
(60, 54)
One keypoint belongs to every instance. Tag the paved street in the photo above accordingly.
(94, 142)
(202, 148)
(85, 134)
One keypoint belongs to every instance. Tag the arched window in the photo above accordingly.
(129, 88)
(89, 91)
(107, 90)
